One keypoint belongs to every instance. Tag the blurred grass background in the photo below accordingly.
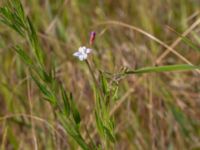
(158, 111)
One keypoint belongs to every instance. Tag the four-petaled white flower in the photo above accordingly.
(82, 53)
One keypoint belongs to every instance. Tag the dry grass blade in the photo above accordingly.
(33, 117)
(177, 41)
(150, 36)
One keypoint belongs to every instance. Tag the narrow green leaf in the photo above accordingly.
(20, 9)
(48, 95)
(181, 119)
(115, 93)
(65, 101)
(99, 123)
(104, 84)
(13, 139)
(12, 19)
(46, 76)
(187, 41)
(108, 134)
(183, 67)
(25, 57)
(74, 109)
(35, 43)
(73, 131)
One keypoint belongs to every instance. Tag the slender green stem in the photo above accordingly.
(92, 73)
(98, 88)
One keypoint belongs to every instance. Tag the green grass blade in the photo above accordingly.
(180, 117)
(24, 56)
(109, 134)
(104, 84)
(183, 67)
(65, 101)
(73, 131)
(74, 110)
(48, 94)
(187, 41)
(99, 123)
(35, 43)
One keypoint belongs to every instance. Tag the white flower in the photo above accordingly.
(82, 53)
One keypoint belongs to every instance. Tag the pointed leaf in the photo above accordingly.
(65, 101)
(74, 109)
(104, 84)
(108, 134)
(183, 67)
(48, 95)
(25, 57)
(99, 123)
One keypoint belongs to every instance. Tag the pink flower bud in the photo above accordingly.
(92, 37)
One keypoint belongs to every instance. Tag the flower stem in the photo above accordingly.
(92, 73)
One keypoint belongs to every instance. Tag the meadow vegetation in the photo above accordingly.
(138, 89)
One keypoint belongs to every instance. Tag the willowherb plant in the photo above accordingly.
(104, 122)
